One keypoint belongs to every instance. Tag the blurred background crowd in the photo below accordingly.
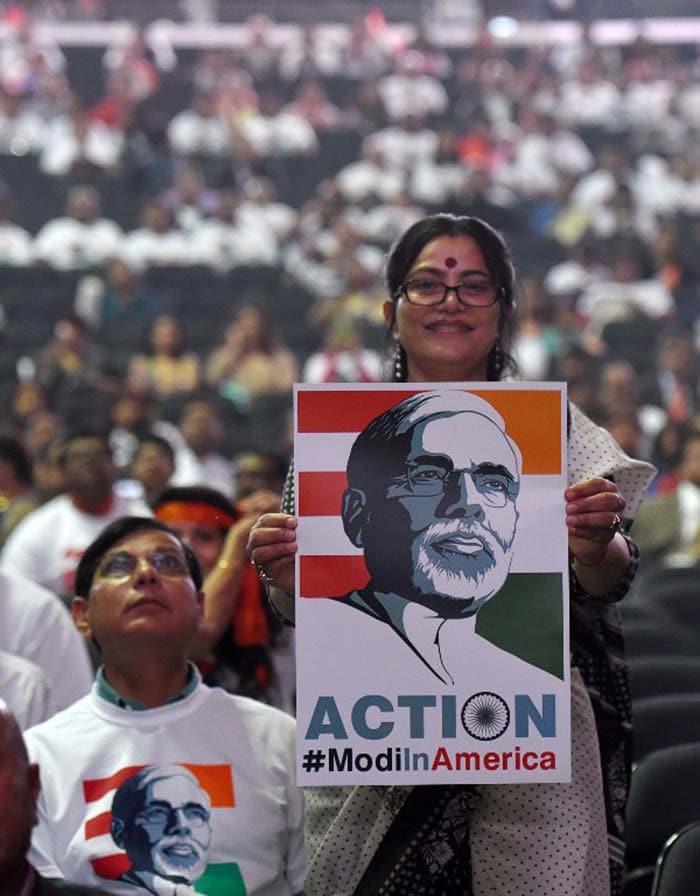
(195, 211)
(196, 201)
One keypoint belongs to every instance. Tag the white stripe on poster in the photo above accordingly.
(322, 450)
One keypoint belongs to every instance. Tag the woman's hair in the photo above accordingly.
(179, 348)
(267, 339)
(498, 260)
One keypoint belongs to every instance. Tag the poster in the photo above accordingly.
(432, 584)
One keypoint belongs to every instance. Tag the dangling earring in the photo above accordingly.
(399, 367)
(496, 359)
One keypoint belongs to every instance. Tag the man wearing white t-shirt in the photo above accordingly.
(38, 628)
(80, 238)
(154, 782)
(46, 546)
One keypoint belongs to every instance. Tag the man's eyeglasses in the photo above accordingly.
(492, 481)
(474, 292)
(123, 563)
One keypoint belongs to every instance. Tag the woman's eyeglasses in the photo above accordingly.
(474, 292)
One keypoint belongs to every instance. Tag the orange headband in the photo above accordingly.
(183, 511)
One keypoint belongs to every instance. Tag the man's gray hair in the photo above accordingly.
(386, 439)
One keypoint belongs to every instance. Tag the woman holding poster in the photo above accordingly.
(451, 318)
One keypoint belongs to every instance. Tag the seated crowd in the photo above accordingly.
(217, 233)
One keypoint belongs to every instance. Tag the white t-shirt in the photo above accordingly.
(36, 626)
(212, 470)
(233, 756)
(48, 544)
(67, 244)
(25, 689)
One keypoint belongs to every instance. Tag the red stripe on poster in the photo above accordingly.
(98, 825)
(322, 576)
(94, 790)
(346, 411)
(111, 867)
(321, 494)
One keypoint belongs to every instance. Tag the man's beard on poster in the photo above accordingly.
(435, 574)
(185, 867)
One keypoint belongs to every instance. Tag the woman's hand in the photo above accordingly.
(272, 544)
(593, 508)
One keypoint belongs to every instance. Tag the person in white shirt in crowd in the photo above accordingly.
(406, 142)
(157, 242)
(47, 545)
(385, 222)
(596, 187)
(197, 462)
(589, 98)
(25, 688)
(213, 796)
(26, 51)
(622, 215)
(199, 130)
(15, 241)
(278, 131)
(189, 199)
(436, 180)
(81, 238)
(372, 176)
(76, 141)
(626, 288)
(260, 51)
(22, 129)
(320, 261)
(543, 149)
(38, 628)
(409, 90)
(364, 55)
(262, 209)
(222, 243)
(342, 358)
(312, 103)
(646, 98)
(310, 51)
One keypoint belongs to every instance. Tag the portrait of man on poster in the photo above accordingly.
(161, 819)
(432, 500)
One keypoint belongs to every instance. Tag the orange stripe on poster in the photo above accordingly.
(532, 421)
(332, 576)
(217, 781)
(321, 494)
(532, 418)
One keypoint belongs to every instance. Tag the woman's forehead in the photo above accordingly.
(461, 252)
(145, 540)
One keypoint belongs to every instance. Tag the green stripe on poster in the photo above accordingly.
(526, 619)
(221, 880)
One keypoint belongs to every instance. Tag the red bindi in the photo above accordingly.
(450, 262)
